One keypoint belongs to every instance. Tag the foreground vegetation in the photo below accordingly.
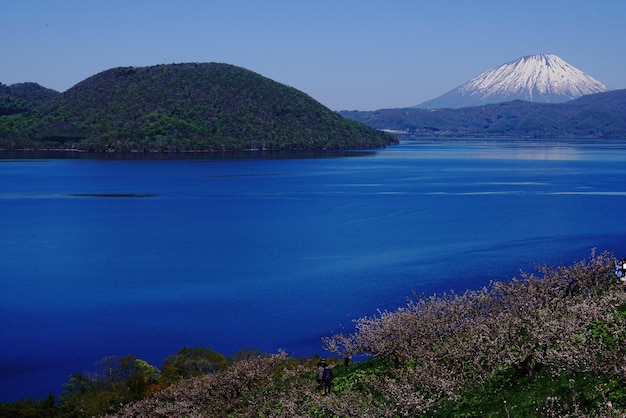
(551, 343)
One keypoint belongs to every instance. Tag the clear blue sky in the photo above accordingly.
(347, 54)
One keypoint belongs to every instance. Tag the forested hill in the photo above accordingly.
(22, 97)
(601, 115)
(182, 107)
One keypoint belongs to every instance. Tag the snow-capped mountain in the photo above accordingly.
(536, 78)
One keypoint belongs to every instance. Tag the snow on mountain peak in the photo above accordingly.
(537, 78)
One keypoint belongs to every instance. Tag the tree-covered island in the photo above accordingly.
(175, 107)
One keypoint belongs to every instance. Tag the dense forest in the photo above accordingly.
(547, 344)
(601, 115)
(176, 107)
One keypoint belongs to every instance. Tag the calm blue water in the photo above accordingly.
(146, 256)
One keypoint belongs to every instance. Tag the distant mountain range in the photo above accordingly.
(541, 78)
(538, 96)
(177, 107)
(600, 115)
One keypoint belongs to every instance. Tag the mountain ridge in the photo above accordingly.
(541, 78)
(599, 115)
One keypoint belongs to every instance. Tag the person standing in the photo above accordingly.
(327, 379)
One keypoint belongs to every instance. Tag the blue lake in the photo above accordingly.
(113, 256)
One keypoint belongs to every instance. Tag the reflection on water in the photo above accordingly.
(8, 156)
(522, 149)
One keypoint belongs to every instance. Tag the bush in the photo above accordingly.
(568, 320)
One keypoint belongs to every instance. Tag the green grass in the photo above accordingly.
(509, 394)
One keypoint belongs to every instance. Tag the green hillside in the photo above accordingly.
(181, 107)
